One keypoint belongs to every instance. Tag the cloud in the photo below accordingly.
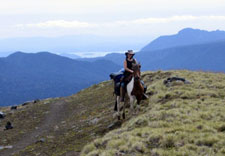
(141, 21)
(58, 24)
(153, 26)
(170, 19)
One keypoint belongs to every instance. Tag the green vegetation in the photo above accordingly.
(183, 119)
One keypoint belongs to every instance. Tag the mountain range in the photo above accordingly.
(187, 36)
(204, 57)
(29, 76)
(191, 49)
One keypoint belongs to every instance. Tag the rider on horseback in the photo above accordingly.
(128, 71)
(128, 62)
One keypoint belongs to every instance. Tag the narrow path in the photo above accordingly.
(54, 116)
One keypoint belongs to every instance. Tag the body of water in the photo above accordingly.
(94, 54)
(97, 53)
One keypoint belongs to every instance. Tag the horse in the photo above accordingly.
(135, 90)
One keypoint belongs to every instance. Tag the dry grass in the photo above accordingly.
(183, 119)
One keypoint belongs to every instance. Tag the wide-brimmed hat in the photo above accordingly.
(130, 52)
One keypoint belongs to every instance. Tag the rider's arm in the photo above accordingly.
(125, 67)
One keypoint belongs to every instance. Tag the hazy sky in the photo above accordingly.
(147, 18)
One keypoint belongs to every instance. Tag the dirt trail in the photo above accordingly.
(52, 118)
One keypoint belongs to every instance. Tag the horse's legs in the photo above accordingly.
(124, 107)
(138, 105)
(118, 107)
(115, 106)
(132, 98)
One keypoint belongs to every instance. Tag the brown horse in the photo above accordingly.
(135, 90)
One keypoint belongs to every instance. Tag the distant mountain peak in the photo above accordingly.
(194, 31)
(20, 53)
(16, 54)
(190, 30)
(186, 36)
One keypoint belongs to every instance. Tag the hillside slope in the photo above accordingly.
(181, 119)
(66, 124)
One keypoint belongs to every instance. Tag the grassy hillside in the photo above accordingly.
(65, 124)
(182, 119)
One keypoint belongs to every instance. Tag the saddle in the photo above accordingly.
(118, 77)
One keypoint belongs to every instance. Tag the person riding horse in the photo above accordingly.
(128, 81)
(128, 63)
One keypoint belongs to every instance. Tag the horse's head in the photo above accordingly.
(137, 73)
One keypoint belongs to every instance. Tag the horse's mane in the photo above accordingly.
(136, 69)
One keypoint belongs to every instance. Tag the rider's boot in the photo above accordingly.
(144, 96)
